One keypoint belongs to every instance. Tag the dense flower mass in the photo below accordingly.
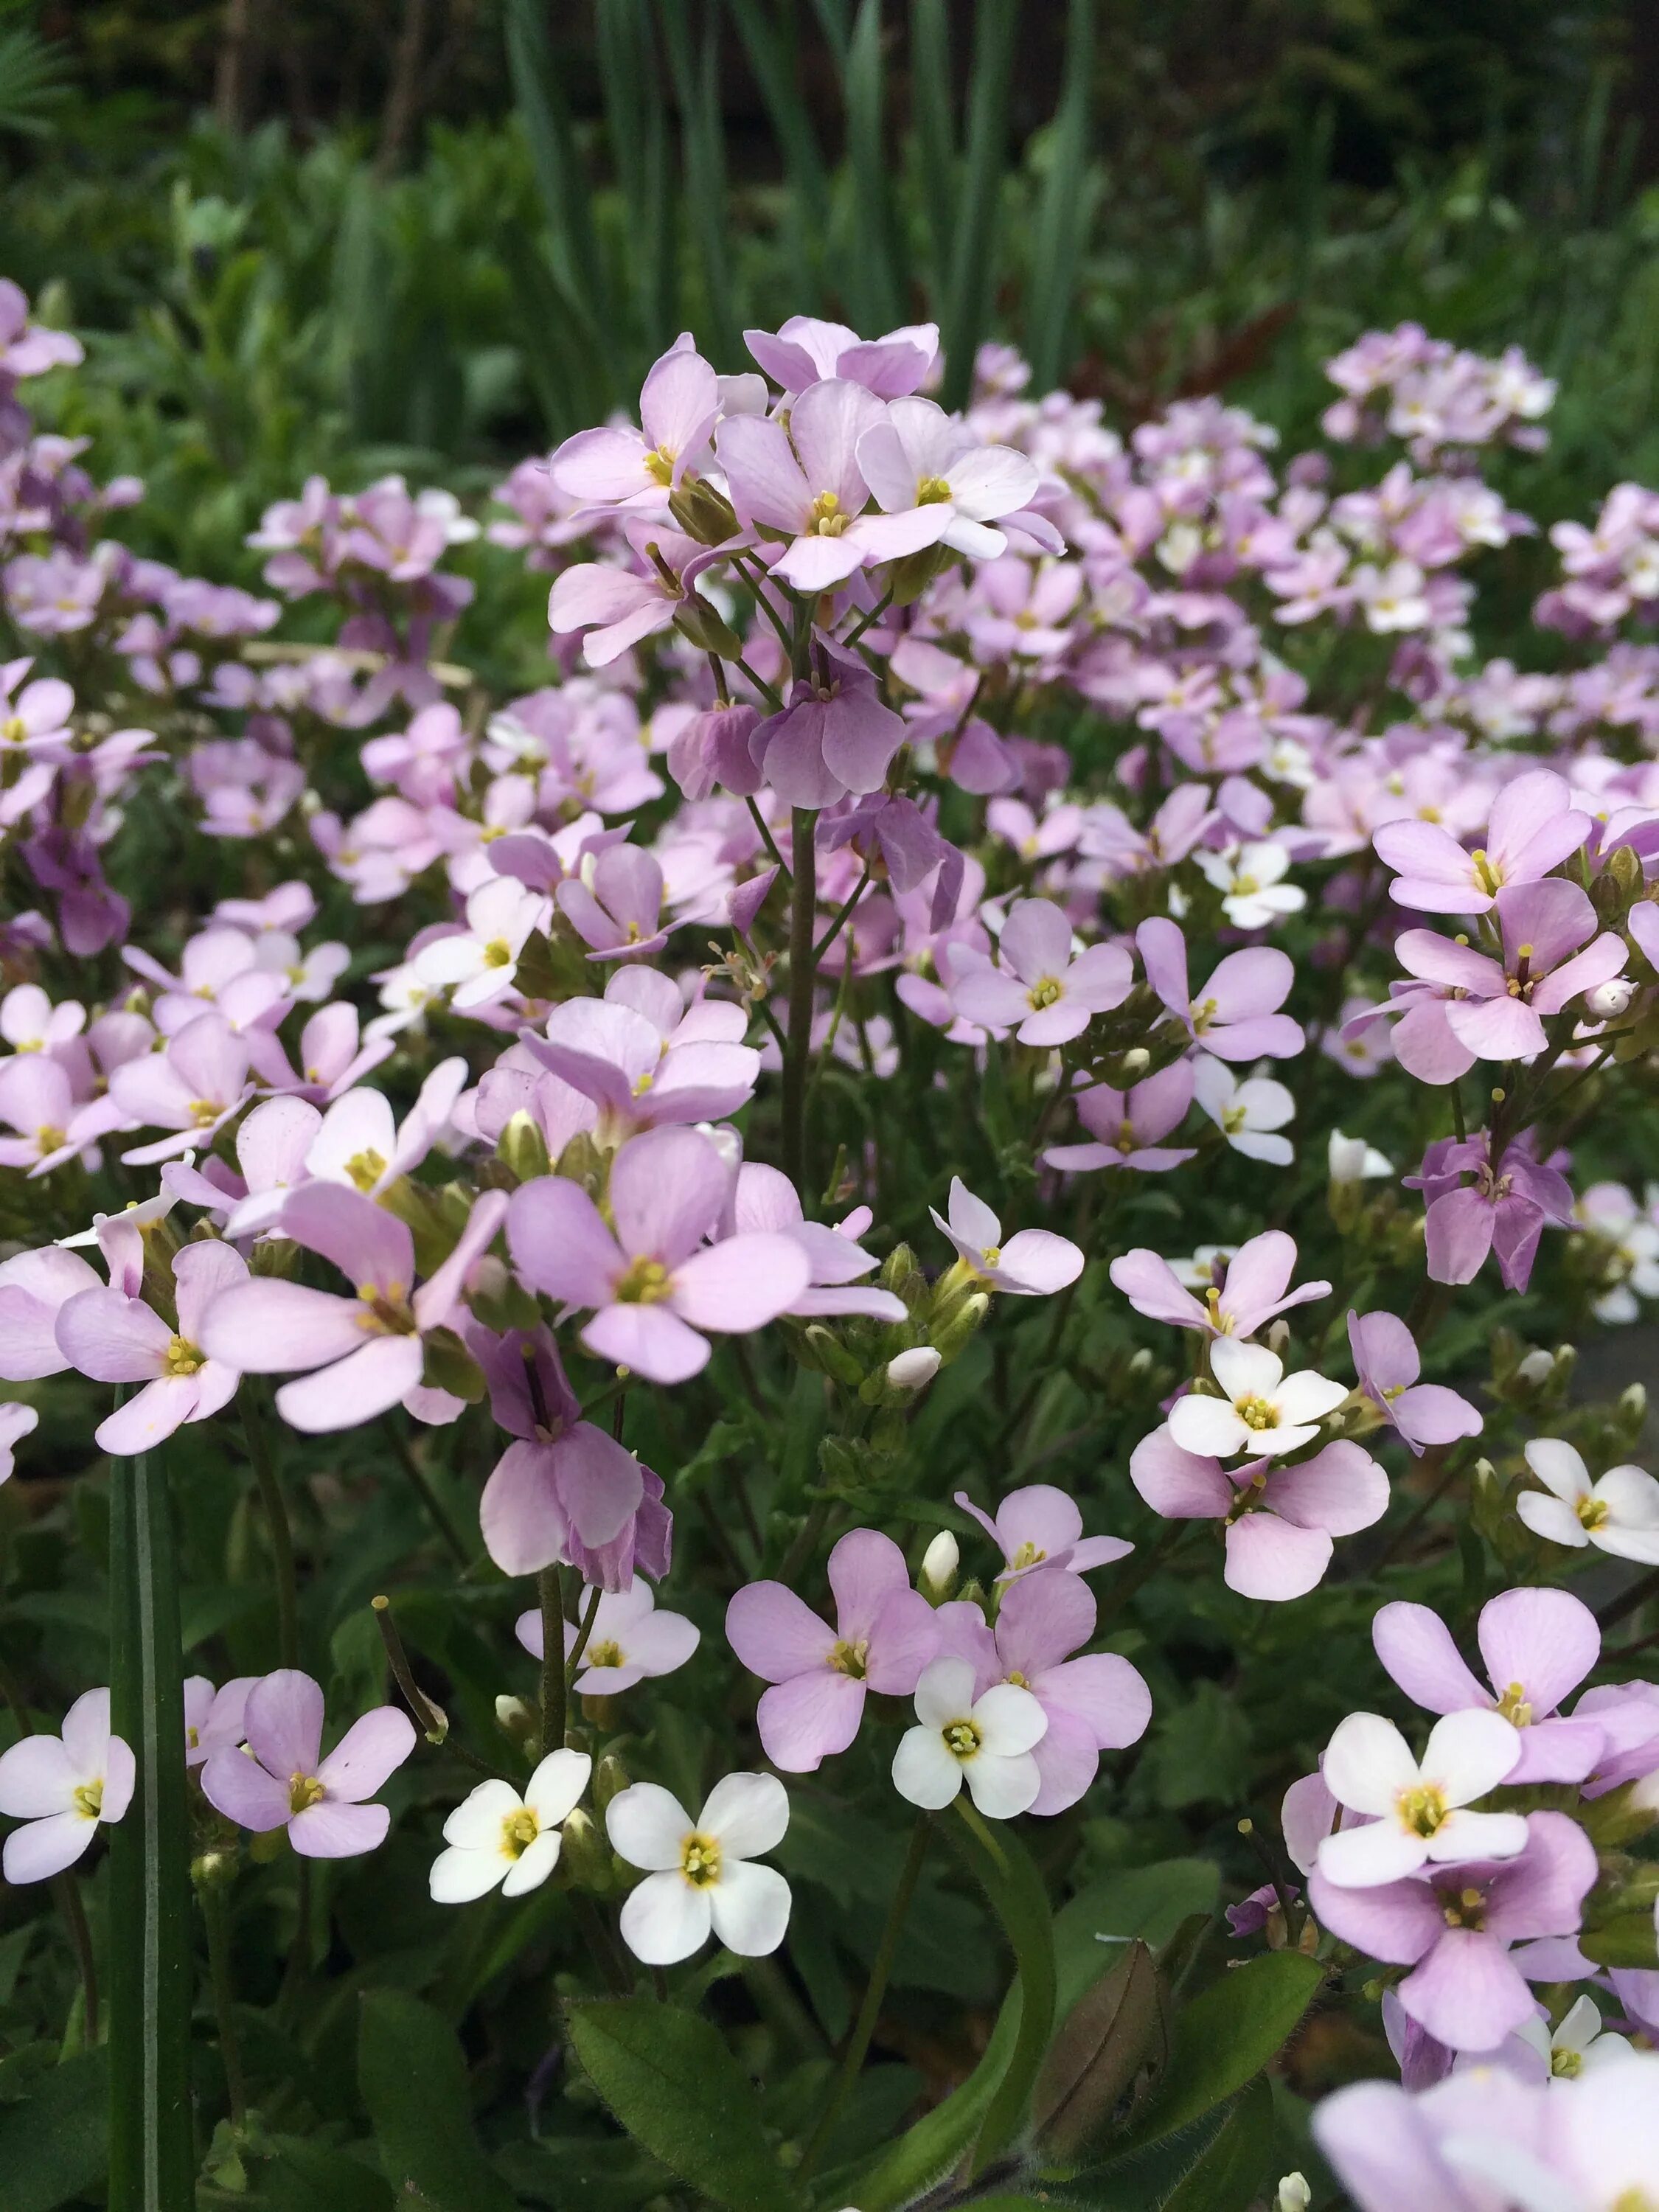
(988, 1007)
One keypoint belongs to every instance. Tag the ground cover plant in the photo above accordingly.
(795, 1227)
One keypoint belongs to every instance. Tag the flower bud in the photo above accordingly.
(962, 1324)
(1294, 2194)
(1135, 1063)
(833, 1356)
(1608, 1000)
(516, 1719)
(913, 1370)
(701, 512)
(214, 1869)
(1278, 1335)
(584, 1853)
(1537, 1367)
(939, 1563)
(1633, 1402)
(523, 1148)
(610, 1778)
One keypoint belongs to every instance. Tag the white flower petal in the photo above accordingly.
(750, 1905)
(664, 1919)
(1369, 1763)
(748, 1812)
(924, 1771)
(1000, 1788)
(647, 1825)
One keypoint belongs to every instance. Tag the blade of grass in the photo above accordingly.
(837, 25)
(696, 88)
(634, 118)
(872, 291)
(1069, 191)
(770, 44)
(935, 136)
(973, 262)
(152, 2161)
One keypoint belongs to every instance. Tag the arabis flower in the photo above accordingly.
(1280, 1520)
(1040, 1526)
(15, 1423)
(1619, 1514)
(986, 1742)
(479, 964)
(1128, 1126)
(700, 1874)
(630, 1640)
(63, 1786)
(283, 1780)
(1420, 1814)
(1248, 878)
(1261, 1409)
(1241, 1290)
(114, 1339)
(1031, 1264)
(619, 466)
(1236, 1014)
(1245, 1113)
(498, 1839)
(919, 462)
(1042, 991)
(1385, 1358)
(1533, 827)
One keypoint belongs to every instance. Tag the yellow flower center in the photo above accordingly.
(519, 1830)
(498, 953)
(1257, 1412)
(1514, 1706)
(1592, 1512)
(851, 1659)
(304, 1789)
(932, 491)
(608, 1654)
(1028, 1555)
(1422, 1810)
(962, 1739)
(659, 465)
(992, 1255)
(1491, 878)
(88, 1799)
(1566, 2065)
(1467, 1910)
(386, 1312)
(700, 1860)
(646, 1284)
(182, 1357)
(365, 1169)
(50, 1137)
(13, 730)
(203, 1112)
(1044, 992)
(1203, 1012)
(828, 519)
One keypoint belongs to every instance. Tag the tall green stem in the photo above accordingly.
(217, 1922)
(277, 1523)
(152, 2162)
(797, 1053)
(875, 1991)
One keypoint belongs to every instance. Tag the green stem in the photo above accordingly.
(277, 1527)
(421, 1483)
(767, 838)
(874, 615)
(549, 1588)
(803, 895)
(875, 1991)
(152, 2159)
(842, 912)
(584, 1630)
(217, 1922)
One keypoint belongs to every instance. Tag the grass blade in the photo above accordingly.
(696, 88)
(973, 261)
(769, 42)
(1071, 191)
(935, 134)
(872, 291)
(152, 2159)
(634, 118)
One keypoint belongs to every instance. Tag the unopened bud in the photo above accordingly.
(900, 1273)
(1608, 1000)
(1135, 1063)
(516, 1719)
(1537, 1367)
(1625, 867)
(1278, 1335)
(963, 1323)
(214, 1869)
(1294, 2194)
(913, 1370)
(1140, 1362)
(833, 1356)
(586, 1853)
(523, 1148)
(1633, 1401)
(610, 1778)
(939, 1563)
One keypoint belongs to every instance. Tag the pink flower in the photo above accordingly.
(1532, 829)
(1280, 1520)
(767, 1200)
(215, 1720)
(16, 1422)
(1236, 1014)
(619, 608)
(836, 735)
(366, 1352)
(1494, 1011)
(806, 481)
(1246, 1290)
(1505, 1210)
(615, 902)
(479, 965)
(1454, 1930)
(34, 1287)
(62, 1787)
(805, 348)
(115, 1338)
(644, 1058)
(655, 1284)
(1537, 1646)
(1040, 991)
(1031, 1264)
(630, 1642)
(618, 466)
(565, 1484)
(885, 1633)
(921, 463)
(193, 1088)
(1126, 1125)
(283, 1781)
(1386, 1360)
(1093, 1704)
(1040, 1526)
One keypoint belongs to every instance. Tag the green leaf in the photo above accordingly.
(930, 2149)
(1150, 1901)
(973, 261)
(1115, 2031)
(1627, 1941)
(1228, 2176)
(152, 2152)
(1226, 2035)
(413, 2078)
(314, 2177)
(670, 2081)
(1070, 190)
(1007, 1872)
(55, 2145)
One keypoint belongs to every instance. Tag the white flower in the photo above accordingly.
(1257, 1411)
(940, 1564)
(1608, 1000)
(1244, 1112)
(498, 1839)
(62, 1787)
(501, 916)
(986, 1742)
(1420, 1811)
(699, 1872)
(1619, 1514)
(1580, 2041)
(1253, 895)
(1353, 1160)
(1393, 599)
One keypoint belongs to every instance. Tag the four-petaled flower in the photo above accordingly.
(699, 1874)
(502, 1838)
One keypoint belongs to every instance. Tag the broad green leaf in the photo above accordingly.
(930, 2149)
(55, 2145)
(311, 2177)
(1150, 1901)
(1226, 2035)
(670, 2081)
(1145, 2178)
(1628, 1941)
(1007, 1872)
(1115, 2030)
(152, 2152)
(1234, 2168)
(412, 2075)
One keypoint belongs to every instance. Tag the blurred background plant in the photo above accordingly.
(353, 236)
